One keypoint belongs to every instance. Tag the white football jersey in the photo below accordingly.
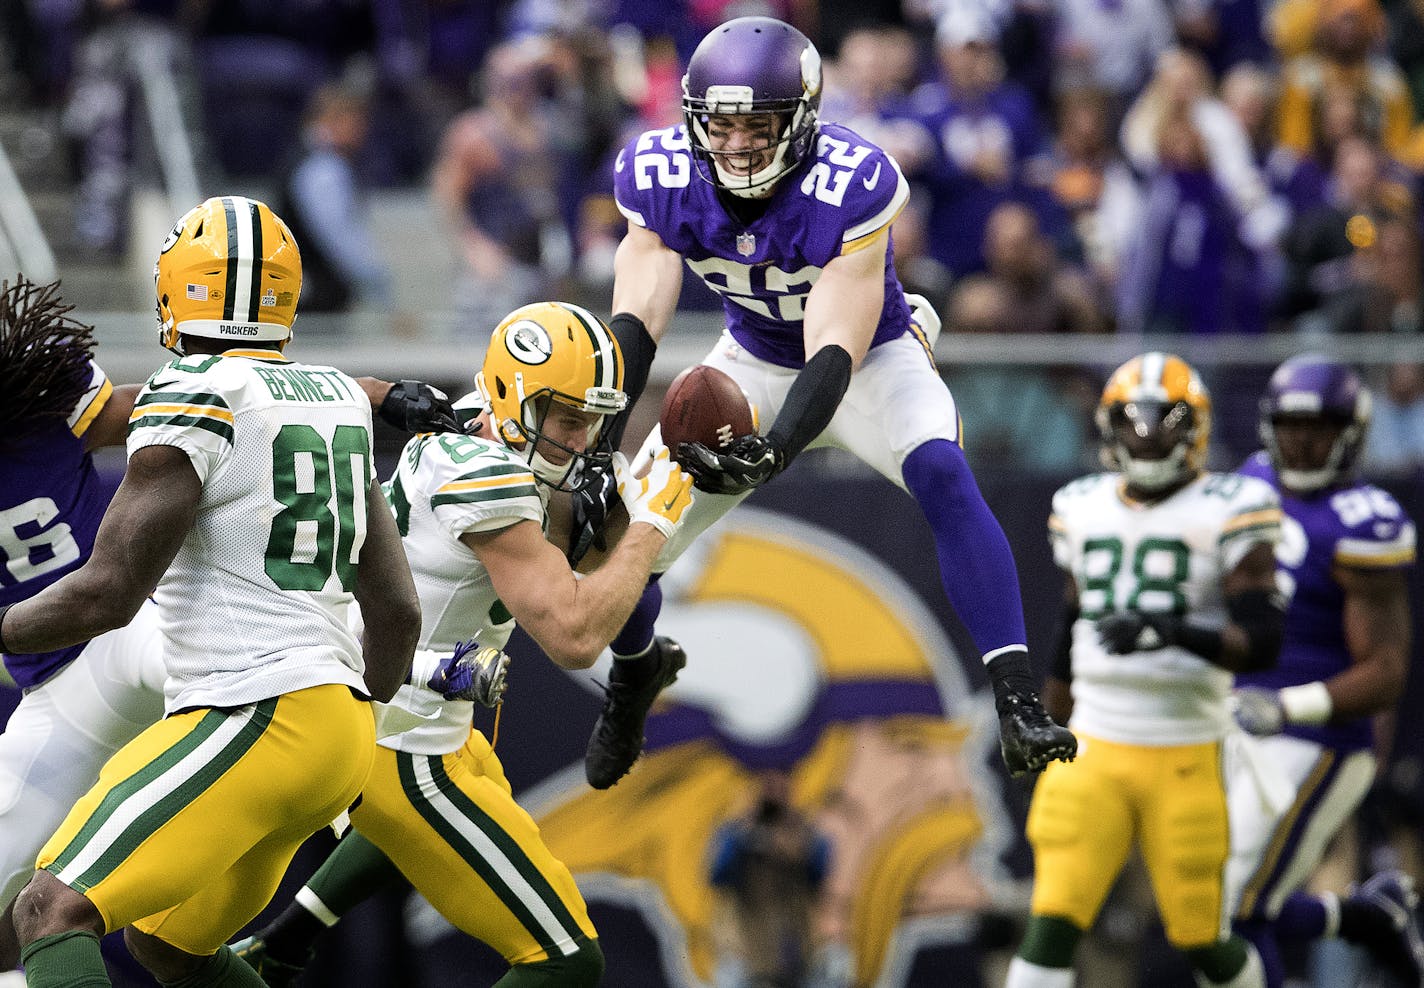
(256, 601)
(447, 485)
(1168, 556)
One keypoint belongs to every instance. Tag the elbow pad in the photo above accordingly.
(1262, 615)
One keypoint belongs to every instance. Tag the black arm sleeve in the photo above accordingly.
(1262, 615)
(638, 350)
(1062, 665)
(812, 401)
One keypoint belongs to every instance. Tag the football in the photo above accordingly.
(704, 405)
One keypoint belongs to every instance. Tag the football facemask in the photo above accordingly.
(753, 66)
(1154, 421)
(543, 358)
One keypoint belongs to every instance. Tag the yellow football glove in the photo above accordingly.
(660, 498)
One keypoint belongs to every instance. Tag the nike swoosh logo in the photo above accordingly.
(669, 505)
(874, 178)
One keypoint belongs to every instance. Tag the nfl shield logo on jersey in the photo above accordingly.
(746, 244)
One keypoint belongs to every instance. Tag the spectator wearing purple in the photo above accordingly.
(984, 128)
(1322, 243)
(1186, 271)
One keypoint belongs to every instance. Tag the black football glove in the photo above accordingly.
(750, 462)
(590, 502)
(414, 406)
(1133, 631)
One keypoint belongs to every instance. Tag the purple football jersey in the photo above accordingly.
(51, 503)
(764, 270)
(1356, 525)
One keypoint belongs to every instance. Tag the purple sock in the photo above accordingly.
(1302, 917)
(636, 635)
(976, 565)
(1262, 936)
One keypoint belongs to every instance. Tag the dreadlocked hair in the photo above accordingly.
(44, 357)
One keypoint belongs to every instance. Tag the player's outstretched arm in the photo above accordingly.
(411, 406)
(142, 531)
(1378, 633)
(111, 426)
(647, 280)
(573, 619)
(389, 605)
(842, 312)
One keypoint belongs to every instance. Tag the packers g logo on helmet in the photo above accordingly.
(230, 269)
(551, 352)
(1154, 419)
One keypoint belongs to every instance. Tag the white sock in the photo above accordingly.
(1024, 974)
(1331, 902)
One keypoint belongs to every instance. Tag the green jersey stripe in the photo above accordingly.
(155, 420)
(193, 363)
(157, 816)
(116, 796)
(498, 468)
(181, 398)
(476, 497)
(480, 841)
(1253, 530)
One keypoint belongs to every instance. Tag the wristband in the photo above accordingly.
(1309, 703)
(4, 649)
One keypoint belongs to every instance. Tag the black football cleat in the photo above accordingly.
(618, 736)
(277, 974)
(1393, 937)
(1028, 738)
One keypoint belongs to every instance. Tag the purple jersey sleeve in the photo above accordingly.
(764, 269)
(51, 503)
(1355, 525)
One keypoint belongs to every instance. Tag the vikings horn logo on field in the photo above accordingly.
(833, 670)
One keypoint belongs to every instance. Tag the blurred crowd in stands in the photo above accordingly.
(1079, 166)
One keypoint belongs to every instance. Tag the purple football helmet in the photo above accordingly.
(1313, 387)
(753, 65)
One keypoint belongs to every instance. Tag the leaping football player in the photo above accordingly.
(788, 219)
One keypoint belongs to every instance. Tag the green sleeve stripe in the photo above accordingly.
(1265, 526)
(142, 421)
(495, 470)
(196, 363)
(479, 497)
(181, 398)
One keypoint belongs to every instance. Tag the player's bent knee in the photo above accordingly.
(581, 969)
(47, 906)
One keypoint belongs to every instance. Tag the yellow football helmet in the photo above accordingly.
(230, 270)
(551, 352)
(1154, 419)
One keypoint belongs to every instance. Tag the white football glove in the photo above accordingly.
(660, 498)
